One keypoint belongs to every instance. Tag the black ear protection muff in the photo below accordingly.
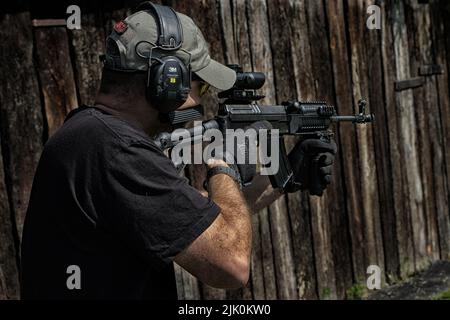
(168, 78)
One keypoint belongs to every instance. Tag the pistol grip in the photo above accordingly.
(315, 188)
(280, 179)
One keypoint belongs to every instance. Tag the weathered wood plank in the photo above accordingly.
(368, 192)
(283, 80)
(179, 282)
(48, 22)
(385, 222)
(210, 293)
(282, 68)
(87, 44)
(389, 35)
(227, 30)
(9, 277)
(442, 11)
(382, 153)
(191, 289)
(334, 202)
(348, 156)
(313, 62)
(257, 274)
(259, 42)
(322, 208)
(375, 184)
(20, 111)
(240, 34)
(281, 241)
(326, 285)
(440, 22)
(55, 75)
(298, 203)
(291, 47)
(270, 282)
(425, 102)
(412, 184)
(303, 253)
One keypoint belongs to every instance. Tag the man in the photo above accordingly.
(108, 212)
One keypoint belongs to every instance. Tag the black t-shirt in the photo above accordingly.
(106, 200)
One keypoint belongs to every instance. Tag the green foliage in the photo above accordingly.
(326, 293)
(356, 292)
(443, 295)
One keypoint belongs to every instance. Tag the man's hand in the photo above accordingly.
(245, 171)
(212, 163)
(312, 164)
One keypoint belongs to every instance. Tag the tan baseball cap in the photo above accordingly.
(133, 39)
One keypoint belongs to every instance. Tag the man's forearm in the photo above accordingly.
(225, 192)
(220, 256)
(260, 193)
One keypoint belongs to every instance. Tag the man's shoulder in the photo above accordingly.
(90, 135)
(93, 125)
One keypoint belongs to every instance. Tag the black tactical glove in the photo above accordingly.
(312, 162)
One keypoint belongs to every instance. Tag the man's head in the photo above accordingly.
(155, 52)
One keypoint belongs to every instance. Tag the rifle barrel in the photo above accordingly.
(359, 118)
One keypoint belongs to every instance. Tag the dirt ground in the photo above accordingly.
(431, 284)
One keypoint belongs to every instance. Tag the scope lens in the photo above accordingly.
(250, 80)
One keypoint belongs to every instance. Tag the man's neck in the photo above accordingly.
(139, 114)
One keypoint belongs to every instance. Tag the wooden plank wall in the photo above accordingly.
(389, 201)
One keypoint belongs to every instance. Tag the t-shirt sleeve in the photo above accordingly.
(150, 206)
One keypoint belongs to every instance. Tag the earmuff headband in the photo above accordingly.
(169, 26)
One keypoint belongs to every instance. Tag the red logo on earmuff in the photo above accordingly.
(120, 27)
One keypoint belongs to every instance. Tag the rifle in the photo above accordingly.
(307, 119)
